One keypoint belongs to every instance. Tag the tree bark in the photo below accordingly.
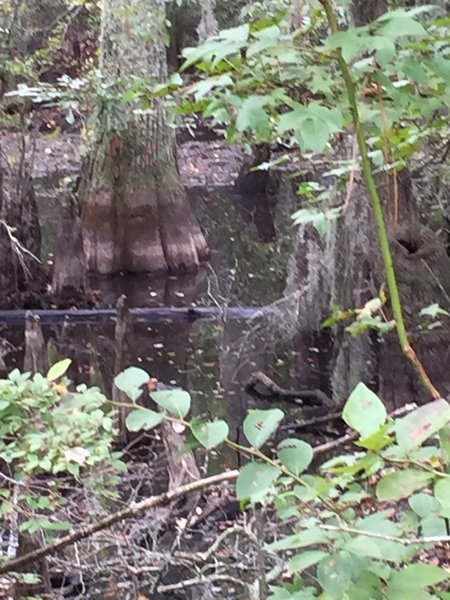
(137, 217)
(366, 11)
(69, 271)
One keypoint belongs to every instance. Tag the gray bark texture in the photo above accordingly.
(137, 216)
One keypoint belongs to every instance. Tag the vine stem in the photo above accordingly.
(383, 238)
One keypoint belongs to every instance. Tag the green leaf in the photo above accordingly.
(313, 134)
(130, 382)
(401, 484)
(303, 539)
(433, 310)
(405, 583)
(421, 424)
(143, 418)
(260, 424)
(400, 24)
(177, 402)
(252, 116)
(378, 440)
(58, 369)
(202, 88)
(210, 434)
(442, 491)
(424, 505)
(300, 562)
(433, 526)
(349, 41)
(364, 411)
(321, 220)
(335, 573)
(255, 481)
(296, 455)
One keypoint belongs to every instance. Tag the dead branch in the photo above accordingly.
(117, 517)
(261, 386)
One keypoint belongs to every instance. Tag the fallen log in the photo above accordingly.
(262, 387)
(169, 314)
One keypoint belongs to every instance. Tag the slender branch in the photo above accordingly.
(431, 539)
(377, 208)
(131, 511)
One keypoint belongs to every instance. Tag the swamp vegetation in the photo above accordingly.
(225, 299)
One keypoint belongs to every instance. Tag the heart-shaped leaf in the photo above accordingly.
(210, 434)
(296, 455)
(260, 424)
(177, 402)
(131, 381)
(143, 418)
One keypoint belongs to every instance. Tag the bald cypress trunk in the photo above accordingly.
(137, 216)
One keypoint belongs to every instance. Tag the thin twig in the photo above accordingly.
(431, 539)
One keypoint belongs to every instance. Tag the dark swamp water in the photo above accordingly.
(211, 358)
(252, 244)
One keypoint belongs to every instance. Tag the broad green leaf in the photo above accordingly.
(292, 121)
(143, 418)
(350, 42)
(401, 24)
(363, 545)
(130, 382)
(210, 434)
(260, 424)
(177, 402)
(379, 522)
(252, 116)
(296, 455)
(442, 491)
(300, 562)
(441, 66)
(367, 587)
(255, 481)
(401, 484)
(58, 369)
(433, 526)
(335, 573)
(313, 134)
(364, 411)
(202, 88)
(421, 424)
(424, 505)
(413, 577)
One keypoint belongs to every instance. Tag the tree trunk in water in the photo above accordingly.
(69, 271)
(137, 216)
(366, 11)
(35, 360)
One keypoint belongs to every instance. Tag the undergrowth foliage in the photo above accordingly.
(365, 524)
(49, 435)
